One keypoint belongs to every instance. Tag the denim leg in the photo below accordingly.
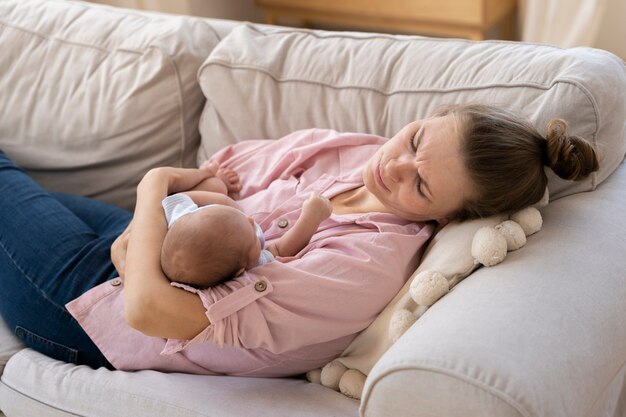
(48, 257)
(103, 218)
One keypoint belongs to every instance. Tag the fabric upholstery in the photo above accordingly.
(265, 83)
(93, 97)
(9, 344)
(80, 390)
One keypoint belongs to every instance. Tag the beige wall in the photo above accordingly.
(221, 9)
(227, 9)
(612, 33)
(611, 36)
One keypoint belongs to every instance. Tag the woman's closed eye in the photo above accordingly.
(419, 186)
(414, 142)
(415, 139)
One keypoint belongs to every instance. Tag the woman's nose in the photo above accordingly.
(398, 168)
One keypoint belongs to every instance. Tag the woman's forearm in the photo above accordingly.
(142, 256)
(152, 305)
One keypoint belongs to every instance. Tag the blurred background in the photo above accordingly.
(565, 23)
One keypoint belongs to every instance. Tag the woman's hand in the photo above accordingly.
(118, 252)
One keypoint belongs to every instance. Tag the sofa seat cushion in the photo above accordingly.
(34, 384)
(9, 344)
(266, 82)
(92, 96)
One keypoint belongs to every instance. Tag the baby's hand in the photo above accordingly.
(317, 208)
(231, 179)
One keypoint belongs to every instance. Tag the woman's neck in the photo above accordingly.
(356, 200)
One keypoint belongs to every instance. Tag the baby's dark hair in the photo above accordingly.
(505, 156)
(198, 250)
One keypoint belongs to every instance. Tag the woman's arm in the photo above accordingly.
(152, 305)
(118, 251)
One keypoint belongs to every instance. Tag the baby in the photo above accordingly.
(211, 240)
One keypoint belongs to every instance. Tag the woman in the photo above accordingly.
(286, 317)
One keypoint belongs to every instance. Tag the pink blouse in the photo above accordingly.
(294, 314)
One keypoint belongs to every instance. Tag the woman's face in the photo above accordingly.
(419, 174)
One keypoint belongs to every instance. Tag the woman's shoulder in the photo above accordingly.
(348, 137)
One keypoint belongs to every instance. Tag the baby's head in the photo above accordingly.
(210, 245)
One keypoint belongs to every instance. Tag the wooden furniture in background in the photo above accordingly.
(470, 19)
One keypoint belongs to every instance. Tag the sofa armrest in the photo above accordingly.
(540, 335)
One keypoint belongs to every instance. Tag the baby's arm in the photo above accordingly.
(314, 211)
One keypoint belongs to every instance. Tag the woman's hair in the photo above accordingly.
(505, 156)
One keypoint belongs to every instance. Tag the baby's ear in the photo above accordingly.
(443, 221)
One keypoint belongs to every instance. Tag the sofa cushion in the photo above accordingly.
(92, 96)
(9, 344)
(35, 385)
(264, 83)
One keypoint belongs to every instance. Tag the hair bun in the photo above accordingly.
(570, 157)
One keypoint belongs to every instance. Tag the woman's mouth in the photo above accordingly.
(379, 177)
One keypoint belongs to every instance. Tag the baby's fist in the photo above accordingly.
(317, 207)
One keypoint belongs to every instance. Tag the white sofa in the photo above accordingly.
(91, 97)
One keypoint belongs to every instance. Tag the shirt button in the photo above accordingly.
(260, 286)
(115, 282)
(282, 223)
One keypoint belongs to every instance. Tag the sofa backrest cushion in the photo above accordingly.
(265, 82)
(93, 97)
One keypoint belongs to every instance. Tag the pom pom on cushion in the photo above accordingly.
(489, 246)
(352, 383)
(513, 233)
(332, 373)
(427, 287)
(400, 321)
(529, 219)
(314, 376)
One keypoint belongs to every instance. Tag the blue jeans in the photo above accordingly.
(53, 248)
